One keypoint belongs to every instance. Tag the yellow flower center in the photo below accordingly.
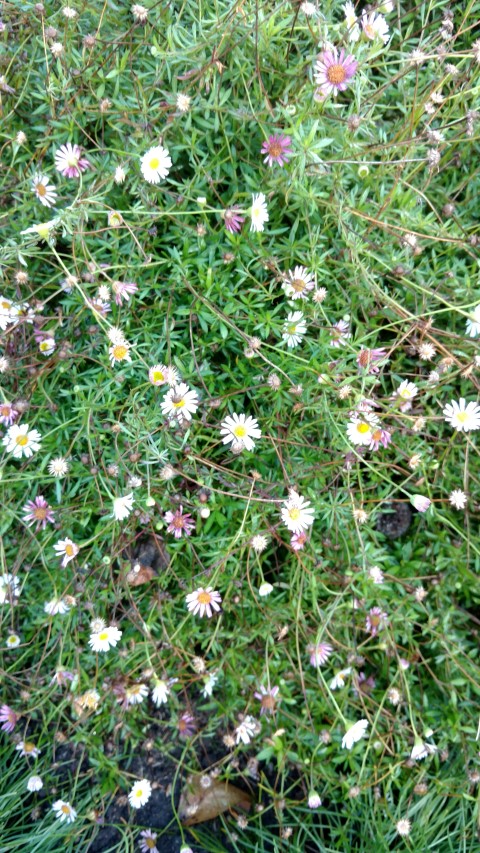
(72, 160)
(369, 31)
(462, 417)
(21, 440)
(28, 747)
(204, 598)
(292, 329)
(40, 513)
(240, 431)
(158, 376)
(363, 428)
(69, 550)
(298, 285)
(41, 189)
(6, 305)
(294, 513)
(65, 809)
(139, 793)
(154, 163)
(178, 402)
(150, 843)
(119, 352)
(336, 74)
(103, 635)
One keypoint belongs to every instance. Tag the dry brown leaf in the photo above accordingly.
(198, 804)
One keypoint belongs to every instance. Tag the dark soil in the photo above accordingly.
(396, 519)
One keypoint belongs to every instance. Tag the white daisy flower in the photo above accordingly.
(120, 175)
(406, 390)
(297, 513)
(155, 164)
(136, 693)
(265, 589)
(209, 684)
(354, 734)
(47, 346)
(338, 681)
(258, 212)
(28, 749)
(64, 811)
(246, 730)
(123, 506)
(58, 467)
(462, 416)
(375, 26)
(180, 402)
(114, 334)
(20, 441)
(420, 502)
(44, 190)
(161, 374)
(119, 352)
(375, 574)
(12, 641)
(298, 282)
(240, 429)
(140, 793)
(294, 329)
(351, 22)
(9, 588)
(160, 692)
(105, 639)
(68, 549)
(360, 429)
(34, 783)
(473, 323)
(183, 102)
(458, 499)
(55, 606)
(44, 230)
(140, 13)
(7, 312)
(203, 601)
(420, 750)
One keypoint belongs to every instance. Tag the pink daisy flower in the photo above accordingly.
(123, 289)
(367, 357)
(38, 512)
(380, 437)
(376, 619)
(233, 220)
(333, 71)
(319, 653)
(340, 333)
(277, 149)
(7, 414)
(179, 522)
(69, 161)
(8, 719)
(148, 839)
(298, 541)
(267, 697)
(186, 725)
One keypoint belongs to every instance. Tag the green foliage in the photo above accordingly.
(390, 230)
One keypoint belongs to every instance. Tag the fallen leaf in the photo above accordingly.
(198, 804)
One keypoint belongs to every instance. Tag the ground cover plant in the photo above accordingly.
(239, 377)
